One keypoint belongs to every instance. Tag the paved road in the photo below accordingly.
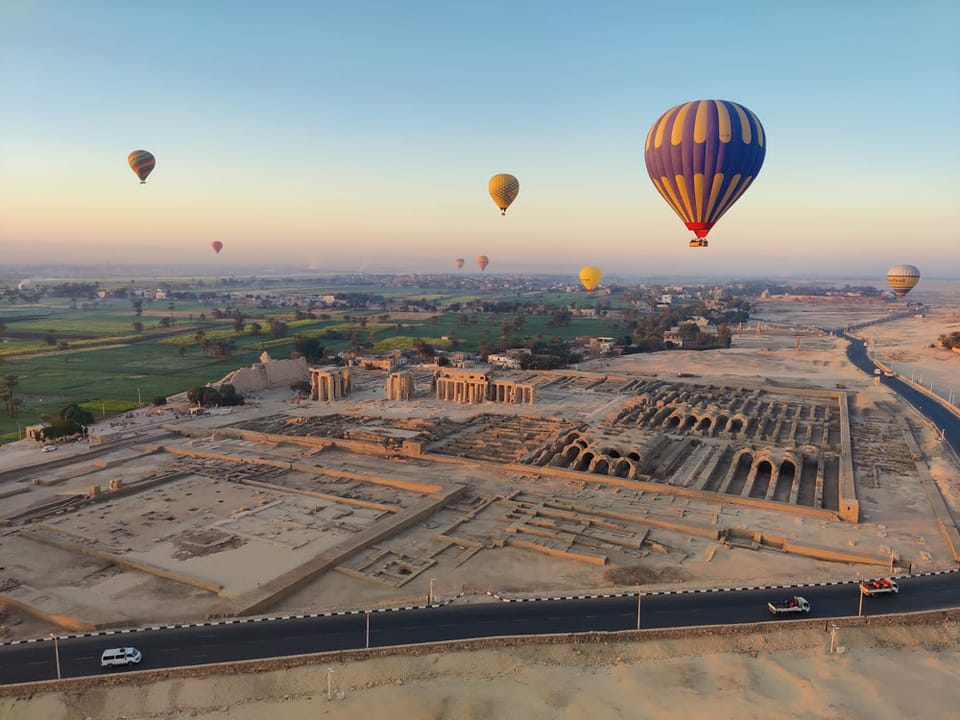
(925, 405)
(247, 640)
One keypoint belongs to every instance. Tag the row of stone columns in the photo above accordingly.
(505, 391)
(329, 384)
(461, 390)
(399, 386)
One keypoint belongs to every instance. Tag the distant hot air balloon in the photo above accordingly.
(142, 163)
(902, 279)
(458, 262)
(217, 246)
(590, 277)
(702, 156)
(483, 261)
(503, 188)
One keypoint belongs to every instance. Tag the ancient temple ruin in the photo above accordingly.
(399, 386)
(329, 384)
(472, 386)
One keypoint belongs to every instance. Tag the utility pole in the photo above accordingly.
(431, 591)
(56, 654)
(330, 672)
(834, 638)
(639, 595)
(860, 607)
(368, 629)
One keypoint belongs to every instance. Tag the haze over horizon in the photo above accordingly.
(342, 138)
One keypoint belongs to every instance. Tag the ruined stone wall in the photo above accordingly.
(470, 386)
(332, 384)
(399, 386)
(268, 373)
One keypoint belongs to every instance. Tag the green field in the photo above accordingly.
(101, 363)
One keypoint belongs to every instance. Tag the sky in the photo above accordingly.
(360, 135)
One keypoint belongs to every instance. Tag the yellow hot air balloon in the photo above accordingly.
(590, 277)
(503, 188)
(458, 262)
(902, 279)
(483, 261)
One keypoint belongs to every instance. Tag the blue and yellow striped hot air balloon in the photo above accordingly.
(702, 156)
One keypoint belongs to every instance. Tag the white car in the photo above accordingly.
(120, 656)
(49, 448)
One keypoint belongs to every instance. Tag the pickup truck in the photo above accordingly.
(795, 604)
(881, 586)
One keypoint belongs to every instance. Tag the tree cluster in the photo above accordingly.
(69, 421)
(207, 396)
(950, 341)
(308, 347)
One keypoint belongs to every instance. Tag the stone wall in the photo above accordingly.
(330, 384)
(268, 373)
(399, 386)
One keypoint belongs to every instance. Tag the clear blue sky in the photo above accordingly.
(361, 134)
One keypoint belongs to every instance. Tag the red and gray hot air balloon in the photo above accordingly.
(902, 279)
(217, 246)
(702, 156)
(142, 163)
(482, 262)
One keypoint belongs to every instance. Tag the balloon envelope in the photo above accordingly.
(702, 156)
(483, 261)
(217, 246)
(142, 163)
(902, 279)
(503, 188)
(590, 277)
(458, 262)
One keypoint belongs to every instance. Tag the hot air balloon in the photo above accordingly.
(902, 279)
(702, 156)
(503, 188)
(483, 261)
(590, 277)
(142, 163)
(217, 246)
(458, 262)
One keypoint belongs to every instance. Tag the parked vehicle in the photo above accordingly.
(120, 656)
(796, 604)
(880, 586)
(48, 448)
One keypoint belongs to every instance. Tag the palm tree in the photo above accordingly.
(9, 383)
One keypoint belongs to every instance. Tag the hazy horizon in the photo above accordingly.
(50, 273)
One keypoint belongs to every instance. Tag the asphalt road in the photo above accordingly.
(926, 406)
(80, 656)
